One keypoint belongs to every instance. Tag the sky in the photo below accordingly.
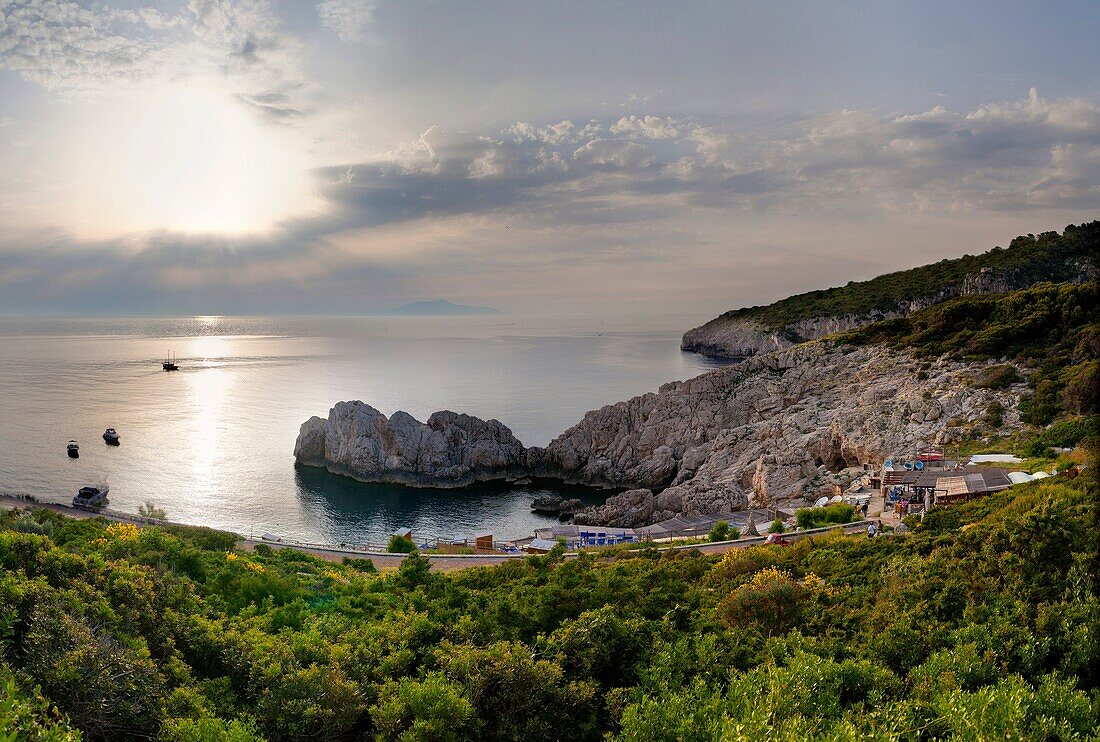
(598, 157)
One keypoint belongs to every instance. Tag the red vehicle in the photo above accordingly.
(777, 539)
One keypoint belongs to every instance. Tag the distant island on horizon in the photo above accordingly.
(438, 307)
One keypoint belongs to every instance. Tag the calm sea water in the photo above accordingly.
(212, 444)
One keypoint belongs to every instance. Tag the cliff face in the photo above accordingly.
(449, 450)
(768, 430)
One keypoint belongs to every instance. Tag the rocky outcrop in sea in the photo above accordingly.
(449, 450)
(772, 430)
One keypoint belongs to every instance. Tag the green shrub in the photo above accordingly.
(431, 709)
(772, 602)
(994, 415)
(998, 377)
(1081, 393)
(1068, 433)
(360, 565)
(28, 716)
(208, 729)
(838, 512)
(400, 545)
(722, 532)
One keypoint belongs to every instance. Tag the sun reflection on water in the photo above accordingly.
(209, 348)
(209, 385)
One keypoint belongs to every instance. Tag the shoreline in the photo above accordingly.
(384, 560)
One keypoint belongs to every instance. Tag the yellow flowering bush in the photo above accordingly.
(123, 531)
(772, 601)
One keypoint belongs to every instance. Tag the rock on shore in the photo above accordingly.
(449, 450)
(770, 430)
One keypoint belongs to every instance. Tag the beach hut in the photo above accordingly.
(540, 546)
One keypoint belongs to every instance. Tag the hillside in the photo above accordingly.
(775, 429)
(980, 624)
(1053, 257)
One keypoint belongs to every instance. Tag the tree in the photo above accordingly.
(432, 709)
(401, 545)
(149, 510)
(723, 532)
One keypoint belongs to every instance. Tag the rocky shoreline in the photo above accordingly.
(772, 430)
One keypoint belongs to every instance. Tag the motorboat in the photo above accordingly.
(93, 498)
(169, 363)
(110, 436)
(74, 450)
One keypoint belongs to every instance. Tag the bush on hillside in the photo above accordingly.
(977, 624)
(839, 512)
(400, 545)
(723, 532)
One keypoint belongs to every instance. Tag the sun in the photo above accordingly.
(196, 159)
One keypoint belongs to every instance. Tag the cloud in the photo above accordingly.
(647, 127)
(1026, 154)
(83, 52)
(1029, 153)
(348, 19)
(577, 190)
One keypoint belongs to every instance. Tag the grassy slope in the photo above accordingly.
(1049, 256)
(979, 624)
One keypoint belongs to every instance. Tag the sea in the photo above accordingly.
(212, 444)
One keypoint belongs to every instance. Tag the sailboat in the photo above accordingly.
(169, 363)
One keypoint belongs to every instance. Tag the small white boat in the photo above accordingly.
(74, 449)
(111, 437)
(91, 497)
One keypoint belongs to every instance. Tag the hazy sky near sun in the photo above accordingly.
(316, 156)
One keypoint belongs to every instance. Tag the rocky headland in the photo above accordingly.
(771, 430)
(1029, 260)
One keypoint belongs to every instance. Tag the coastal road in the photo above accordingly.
(450, 562)
(381, 561)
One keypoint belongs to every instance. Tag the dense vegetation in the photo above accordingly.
(982, 623)
(1028, 259)
(1052, 328)
(838, 512)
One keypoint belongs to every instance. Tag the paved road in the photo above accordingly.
(442, 562)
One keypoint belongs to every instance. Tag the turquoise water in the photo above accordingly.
(212, 444)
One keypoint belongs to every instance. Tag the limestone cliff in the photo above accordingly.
(772, 428)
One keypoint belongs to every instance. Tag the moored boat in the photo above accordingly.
(74, 449)
(110, 436)
(169, 363)
(91, 497)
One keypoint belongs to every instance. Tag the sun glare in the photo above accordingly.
(197, 160)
